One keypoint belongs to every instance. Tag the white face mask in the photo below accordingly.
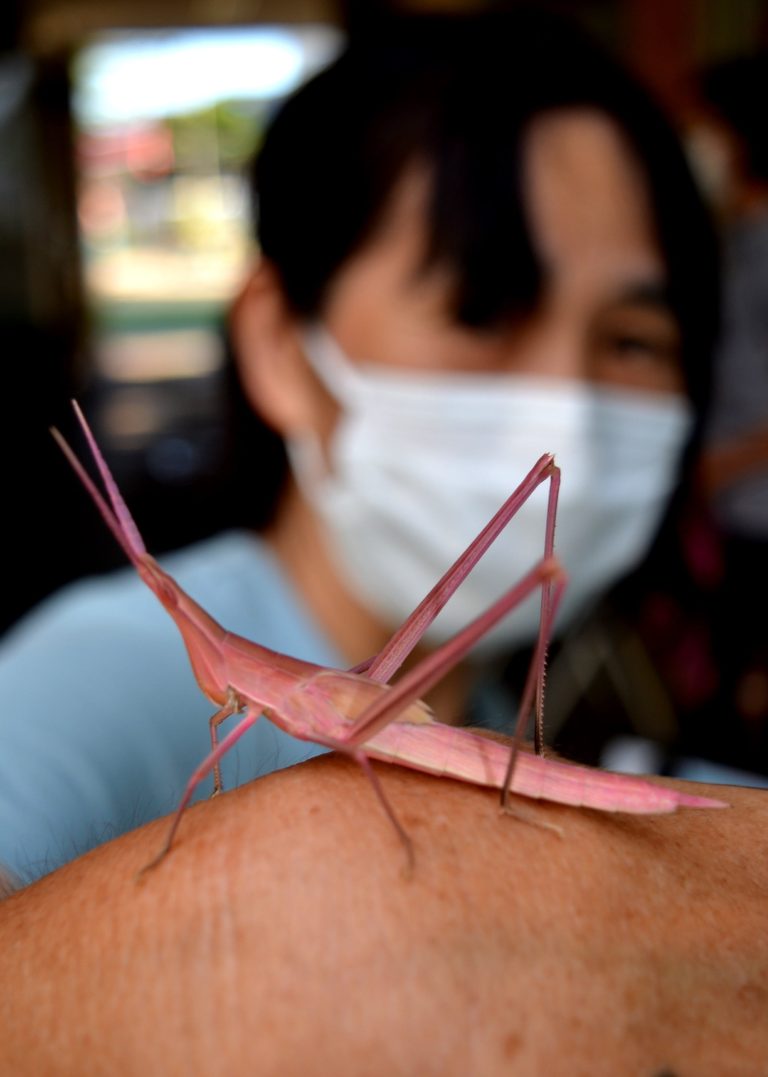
(420, 461)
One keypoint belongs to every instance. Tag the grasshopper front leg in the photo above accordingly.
(233, 706)
(211, 762)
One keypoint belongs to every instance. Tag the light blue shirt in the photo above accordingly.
(102, 721)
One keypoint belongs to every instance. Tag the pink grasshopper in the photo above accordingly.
(357, 712)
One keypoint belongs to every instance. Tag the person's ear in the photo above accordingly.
(267, 346)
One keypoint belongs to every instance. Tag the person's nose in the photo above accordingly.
(548, 348)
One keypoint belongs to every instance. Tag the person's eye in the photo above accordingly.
(645, 337)
(643, 346)
(642, 351)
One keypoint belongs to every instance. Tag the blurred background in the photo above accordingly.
(124, 234)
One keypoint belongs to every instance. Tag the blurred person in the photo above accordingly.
(730, 135)
(480, 241)
(281, 938)
(730, 142)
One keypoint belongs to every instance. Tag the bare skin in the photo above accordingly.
(281, 937)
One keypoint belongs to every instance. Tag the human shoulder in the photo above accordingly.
(504, 949)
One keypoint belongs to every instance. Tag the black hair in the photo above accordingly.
(737, 90)
(459, 92)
